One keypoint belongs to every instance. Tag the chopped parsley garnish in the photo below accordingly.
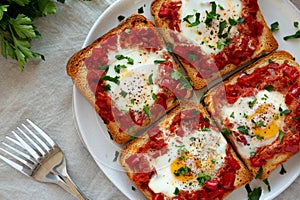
(159, 61)
(176, 191)
(203, 97)
(253, 194)
(127, 30)
(221, 7)
(234, 22)
(195, 23)
(252, 154)
(274, 26)
(130, 61)
(232, 115)
(296, 118)
(222, 26)
(284, 112)
(271, 61)
(222, 43)
(260, 123)
(296, 24)
(280, 136)
(147, 111)
(251, 103)
(116, 156)
(121, 18)
(259, 137)
(205, 129)
(212, 14)
(282, 170)
(243, 129)
(225, 132)
(182, 171)
(112, 79)
(266, 181)
(107, 87)
(213, 161)
(259, 173)
(269, 88)
(202, 178)
(294, 36)
(141, 10)
(150, 80)
(206, 119)
(123, 93)
(132, 137)
(118, 68)
(177, 76)
(153, 95)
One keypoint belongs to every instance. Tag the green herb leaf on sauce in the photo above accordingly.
(284, 112)
(195, 23)
(251, 103)
(176, 191)
(225, 132)
(130, 61)
(107, 87)
(202, 178)
(280, 136)
(275, 26)
(269, 88)
(159, 61)
(243, 129)
(118, 68)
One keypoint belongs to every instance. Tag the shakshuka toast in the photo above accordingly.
(129, 77)
(258, 110)
(212, 38)
(184, 156)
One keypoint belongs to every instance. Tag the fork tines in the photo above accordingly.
(25, 147)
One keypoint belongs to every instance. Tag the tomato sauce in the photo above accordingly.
(282, 78)
(241, 46)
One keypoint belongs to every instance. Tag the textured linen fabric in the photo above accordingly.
(43, 93)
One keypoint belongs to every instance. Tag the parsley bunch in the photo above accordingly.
(17, 29)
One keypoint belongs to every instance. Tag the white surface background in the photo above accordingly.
(43, 93)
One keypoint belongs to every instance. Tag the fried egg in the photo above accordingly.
(202, 34)
(258, 118)
(136, 84)
(202, 152)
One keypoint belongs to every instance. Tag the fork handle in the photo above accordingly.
(67, 184)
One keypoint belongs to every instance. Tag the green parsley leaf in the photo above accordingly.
(282, 170)
(232, 115)
(118, 68)
(275, 26)
(3, 8)
(259, 173)
(159, 61)
(269, 88)
(252, 154)
(251, 103)
(266, 181)
(280, 136)
(176, 191)
(130, 61)
(150, 80)
(112, 79)
(123, 93)
(294, 36)
(195, 23)
(182, 171)
(243, 129)
(222, 26)
(225, 132)
(202, 178)
(147, 111)
(284, 112)
(23, 27)
(253, 194)
(107, 87)
(212, 14)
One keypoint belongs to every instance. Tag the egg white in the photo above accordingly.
(237, 115)
(201, 145)
(203, 35)
(134, 79)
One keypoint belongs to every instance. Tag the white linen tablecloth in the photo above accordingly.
(43, 93)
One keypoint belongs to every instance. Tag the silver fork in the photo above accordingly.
(32, 152)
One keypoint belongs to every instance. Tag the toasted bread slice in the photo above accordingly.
(184, 154)
(129, 77)
(258, 111)
(212, 40)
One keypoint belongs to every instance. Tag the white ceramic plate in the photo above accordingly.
(94, 134)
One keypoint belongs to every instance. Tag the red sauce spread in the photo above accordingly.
(241, 46)
(97, 64)
(282, 78)
(192, 120)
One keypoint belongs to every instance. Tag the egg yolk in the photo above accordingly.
(181, 171)
(267, 123)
